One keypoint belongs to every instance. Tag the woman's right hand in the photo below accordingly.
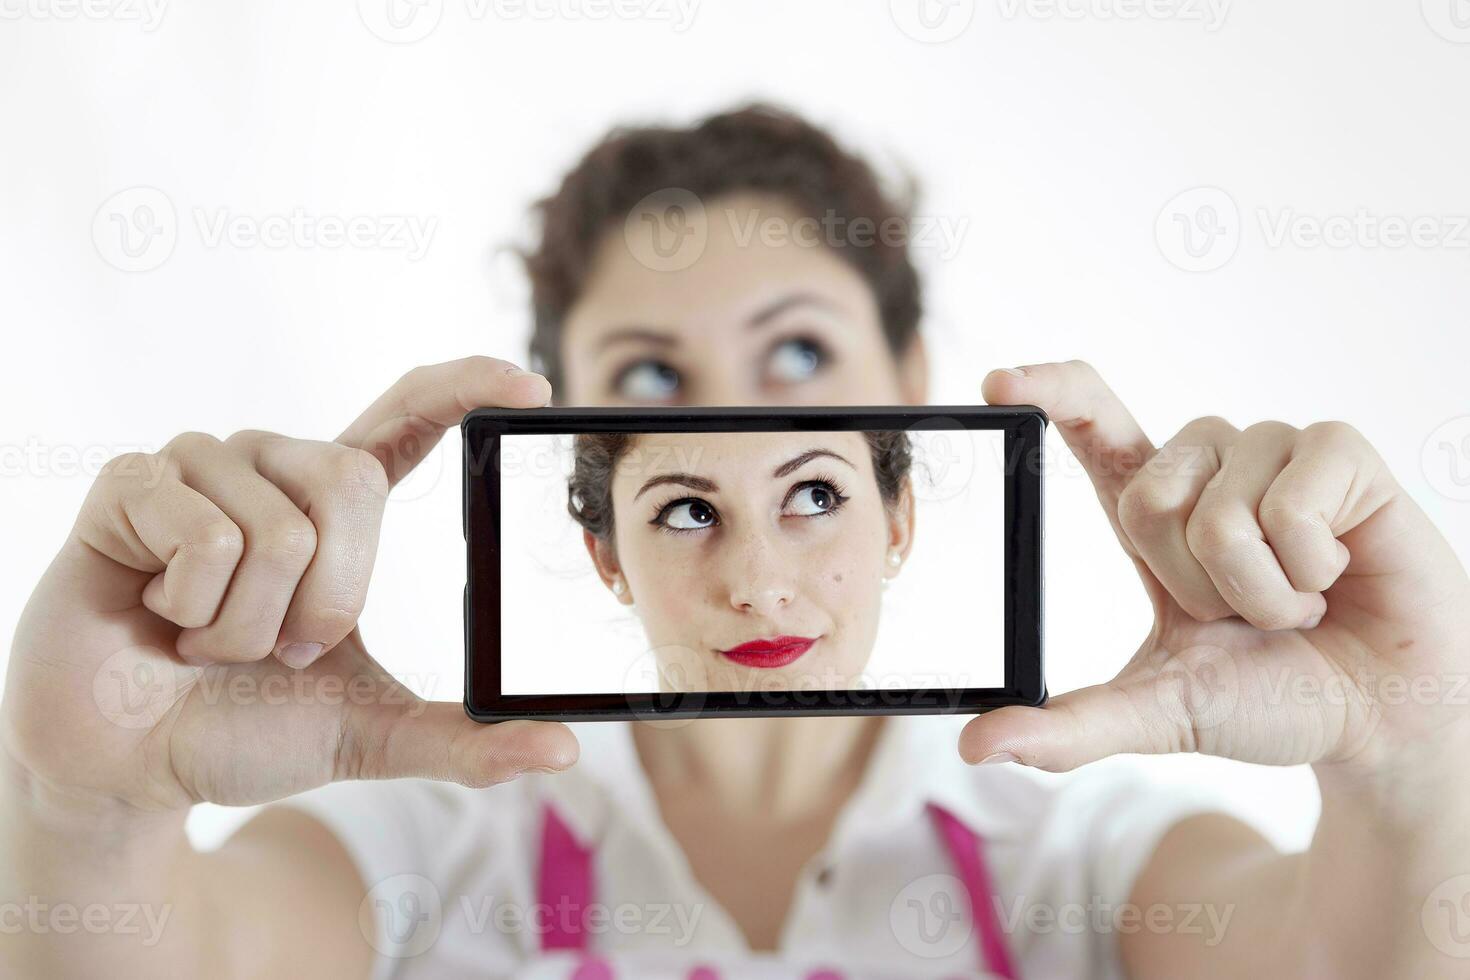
(195, 639)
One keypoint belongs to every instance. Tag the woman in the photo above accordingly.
(1292, 579)
(756, 559)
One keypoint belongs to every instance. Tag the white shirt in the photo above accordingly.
(453, 871)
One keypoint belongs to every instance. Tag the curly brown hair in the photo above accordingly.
(755, 148)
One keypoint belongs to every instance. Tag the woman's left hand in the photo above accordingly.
(1306, 610)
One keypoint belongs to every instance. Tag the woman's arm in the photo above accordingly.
(195, 640)
(95, 894)
(1306, 611)
(1374, 895)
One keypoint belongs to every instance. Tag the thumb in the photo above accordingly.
(407, 421)
(1143, 710)
(1069, 731)
(437, 740)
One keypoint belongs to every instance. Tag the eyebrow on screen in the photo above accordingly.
(705, 485)
(651, 335)
(681, 479)
(796, 462)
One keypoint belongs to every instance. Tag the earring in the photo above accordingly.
(618, 588)
(894, 559)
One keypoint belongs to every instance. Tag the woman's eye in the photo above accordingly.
(647, 381)
(814, 499)
(796, 360)
(687, 515)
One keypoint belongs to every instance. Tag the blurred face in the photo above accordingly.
(755, 319)
(764, 565)
(755, 560)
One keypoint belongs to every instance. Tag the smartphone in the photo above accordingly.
(714, 562)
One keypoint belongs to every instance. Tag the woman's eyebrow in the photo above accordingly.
(806, 457)
(769, 312)
(631, 334)
(682, 479)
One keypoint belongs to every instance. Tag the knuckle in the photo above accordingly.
(128, 466)
(1210, 535)
(357, 471)
(247, 437)
(1333, 433)
(1270, 429)
(290, 542)
(192, 444)
(418, 376)
(485, 363)
(1146, 502)
(219, 542)
(1083, 369)
(1210, 425)
(1284, 516)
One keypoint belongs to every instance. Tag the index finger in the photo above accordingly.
(1099, 430)
(409, 419)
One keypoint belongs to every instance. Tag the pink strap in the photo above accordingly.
(967, 852)
(565, 886)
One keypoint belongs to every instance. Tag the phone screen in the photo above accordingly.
(773, 562)
(730, 561)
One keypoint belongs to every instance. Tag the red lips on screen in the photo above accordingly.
(777, 651)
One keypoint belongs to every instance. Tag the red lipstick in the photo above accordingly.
(778, 651)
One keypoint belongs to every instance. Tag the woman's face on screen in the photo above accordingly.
(756, 315)
(754, 560)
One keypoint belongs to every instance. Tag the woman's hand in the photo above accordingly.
(1306, 610)
(195, 640)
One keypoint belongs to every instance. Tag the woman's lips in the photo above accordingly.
(778, 651)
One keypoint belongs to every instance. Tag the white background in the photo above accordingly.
(1058, 140)
(943, 617)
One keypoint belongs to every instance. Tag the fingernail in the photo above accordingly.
(1312, 623)
(1015, 372)
(997, 759)
(515, 372)
(543, 770)
(299, 655)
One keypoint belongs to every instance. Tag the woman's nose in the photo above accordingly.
(759, 577)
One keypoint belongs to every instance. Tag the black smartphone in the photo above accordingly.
(693, 562)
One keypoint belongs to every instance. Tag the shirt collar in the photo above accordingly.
(915, 762)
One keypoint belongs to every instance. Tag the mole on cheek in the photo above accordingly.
(837, 577)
